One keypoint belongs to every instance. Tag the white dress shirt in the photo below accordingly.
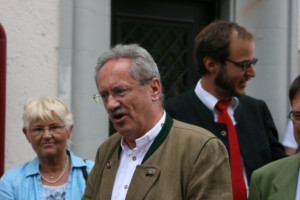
(130, 158)
(298, 188)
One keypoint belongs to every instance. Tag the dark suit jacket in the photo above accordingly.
(257, 134)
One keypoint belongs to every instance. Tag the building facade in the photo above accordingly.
(52, 50)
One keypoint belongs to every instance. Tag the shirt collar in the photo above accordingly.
(33, 167)
(209, 100)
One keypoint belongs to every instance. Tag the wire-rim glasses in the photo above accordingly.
(118, 93)
(39, 130)
(244, 65)
(294, 116)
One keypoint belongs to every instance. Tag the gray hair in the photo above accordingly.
(46, 108)
(143, 67)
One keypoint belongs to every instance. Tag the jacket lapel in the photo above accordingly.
(285, 184)
(108, 178)
(144, 175)
(143, 179)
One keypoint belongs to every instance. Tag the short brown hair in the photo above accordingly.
(214, 41)
(294, 89)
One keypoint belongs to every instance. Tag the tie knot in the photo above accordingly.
(223, 105)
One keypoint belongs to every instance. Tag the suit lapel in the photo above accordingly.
(143, 179)
(108, 178)
(285, 184)
(145, 175)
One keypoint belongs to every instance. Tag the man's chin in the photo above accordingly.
(121, 130)
(239, 93)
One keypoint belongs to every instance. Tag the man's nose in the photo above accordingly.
(112, 103)
(251, 71)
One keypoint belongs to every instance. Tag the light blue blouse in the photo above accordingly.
(24, 181)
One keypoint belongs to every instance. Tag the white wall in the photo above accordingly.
(85, 35)
(32, 65)
(275, 25)
(52, 50)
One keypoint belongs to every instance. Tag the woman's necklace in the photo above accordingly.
(60, 176)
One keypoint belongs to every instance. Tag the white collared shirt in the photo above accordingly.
(298, 188)
(210, 102)
(130, 158)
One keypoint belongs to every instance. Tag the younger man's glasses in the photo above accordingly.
(244, 65)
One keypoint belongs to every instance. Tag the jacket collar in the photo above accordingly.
(158, 140)
(198, 103)
(286, 182)
(148, 173)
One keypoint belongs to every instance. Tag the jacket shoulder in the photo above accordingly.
(252, 101)
(109, 146)
(271, 170)
(192, 130)
(195, 138)
(114, 139)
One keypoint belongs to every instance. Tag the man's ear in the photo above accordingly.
(210, 64)
(155, 87)
(27, 135)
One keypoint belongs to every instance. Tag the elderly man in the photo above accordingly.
(224, 56)
(152, 156)
(280, 179)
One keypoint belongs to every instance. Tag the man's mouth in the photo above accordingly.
(117, 114)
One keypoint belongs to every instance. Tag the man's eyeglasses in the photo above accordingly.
(294, 116)
(39, 130)
(118, 93)
(244, 65)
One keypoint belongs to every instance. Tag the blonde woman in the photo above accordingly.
(56, 173)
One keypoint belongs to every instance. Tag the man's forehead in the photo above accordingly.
(115, 66)
(239, 47)
(114, 82)
(118, 60)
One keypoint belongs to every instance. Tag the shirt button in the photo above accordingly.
(133, 158)
(223, 133)
(126, 186)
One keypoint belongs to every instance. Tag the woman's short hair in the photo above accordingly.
(45, 108)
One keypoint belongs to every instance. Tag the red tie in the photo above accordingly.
(237, 177)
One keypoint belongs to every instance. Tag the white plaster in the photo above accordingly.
(272, 22)
(32, 70)
(91, 38)
(298, 25)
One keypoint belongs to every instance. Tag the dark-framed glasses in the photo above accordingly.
(294, 116)
(118, 93)
(39, 130)
(244, 65)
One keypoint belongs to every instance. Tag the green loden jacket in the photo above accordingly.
(184, 162)
(276, 180)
